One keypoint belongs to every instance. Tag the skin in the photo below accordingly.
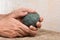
(11, 26)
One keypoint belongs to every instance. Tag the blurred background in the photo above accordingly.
(48, 9)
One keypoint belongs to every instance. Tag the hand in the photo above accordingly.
(9, 27)
(22, 12)
(12, 27)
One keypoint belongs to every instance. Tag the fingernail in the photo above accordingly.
(41, 19)
(25, 13)
(33, 28)
(38, 24)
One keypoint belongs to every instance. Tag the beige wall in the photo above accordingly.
(49, 9)
(54, 14)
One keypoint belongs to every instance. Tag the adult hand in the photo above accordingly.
(19, 13)
(12, 27)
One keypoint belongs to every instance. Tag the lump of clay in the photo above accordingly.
(31, 19)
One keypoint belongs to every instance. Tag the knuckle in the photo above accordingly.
(33, 33)
(28, 31)
(20, 35)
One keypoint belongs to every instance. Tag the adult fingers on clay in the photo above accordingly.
(18, 27)
(38, 24)
(41, 19)
(21, 33)
(33, 28)
(23, 27)
(33, 31)
(26, 29)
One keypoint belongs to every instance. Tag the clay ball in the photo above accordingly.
(31, 19)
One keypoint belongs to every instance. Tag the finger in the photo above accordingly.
(33, 33)
(15, 33)
(21, 32)
(18, 34)
(27, 30)
(22, 26)
(33, 28)
(12, 33)
(27, 10)
(41, 19)
(18, 28)
(38, 24)
(17, 14)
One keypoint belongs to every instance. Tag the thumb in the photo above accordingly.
(20, 14)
